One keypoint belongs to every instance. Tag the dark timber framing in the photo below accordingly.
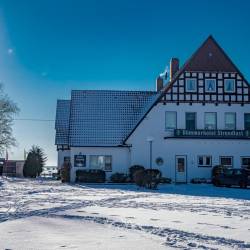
(226, 67)
(178, 94)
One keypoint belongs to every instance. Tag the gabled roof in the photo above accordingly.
(210, 57)
(105, 117)
(211, 51)
(62, 122)
(108, 118)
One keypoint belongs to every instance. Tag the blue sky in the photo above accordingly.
(49, 47)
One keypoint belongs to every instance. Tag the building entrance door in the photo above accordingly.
(181, 169)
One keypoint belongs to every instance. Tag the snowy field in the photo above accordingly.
(45, 214)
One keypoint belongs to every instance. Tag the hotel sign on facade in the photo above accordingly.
(212, 134)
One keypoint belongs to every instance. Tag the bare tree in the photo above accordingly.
(7, 110)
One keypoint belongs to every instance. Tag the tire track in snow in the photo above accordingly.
(173, 237)
(20, 211)
(21, 195)
(171, 206)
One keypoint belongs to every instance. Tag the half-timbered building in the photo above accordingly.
(198, 118)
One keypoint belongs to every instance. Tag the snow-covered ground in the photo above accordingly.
(45, 214)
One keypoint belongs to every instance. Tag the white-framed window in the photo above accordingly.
(210, 85)
(226, 161)
(204, 161)
(230, 120)
(80, 161)
(191, 85)
(103, 162)
(210, 120)
(229, 85)
(171, 120)
(245, 161)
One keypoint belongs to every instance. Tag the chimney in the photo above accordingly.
(159, 83)
(174, 67)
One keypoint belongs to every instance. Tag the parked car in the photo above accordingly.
(232, 177)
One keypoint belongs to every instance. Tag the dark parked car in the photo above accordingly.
(232, 177)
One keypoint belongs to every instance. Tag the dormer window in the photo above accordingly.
(210, 85)
(191, 85)
(229, 85)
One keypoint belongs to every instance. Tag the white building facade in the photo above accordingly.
(200, 118)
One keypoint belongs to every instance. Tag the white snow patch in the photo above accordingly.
(54, 233)
(70, 216)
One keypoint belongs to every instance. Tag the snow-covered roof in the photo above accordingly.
(104, 117)
(62, 122)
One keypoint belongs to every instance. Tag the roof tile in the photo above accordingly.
(105, 117)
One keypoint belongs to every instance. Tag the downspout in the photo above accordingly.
(129, 146)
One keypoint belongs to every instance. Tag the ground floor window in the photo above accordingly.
(245, 162)
(226, 161)
(204, 161)
(80, 161)
(101, 162)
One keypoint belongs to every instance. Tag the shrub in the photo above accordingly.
(65, 172)
(155, 173)
(147, 178)
(165, 180)
(153, 178)
(91, 176)
(118, 178)
(140, 178)
(133, 169)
